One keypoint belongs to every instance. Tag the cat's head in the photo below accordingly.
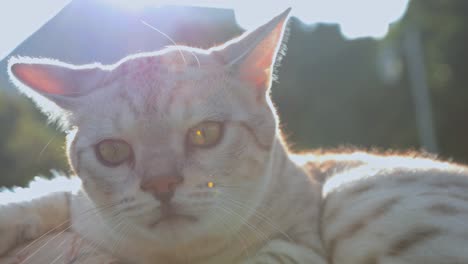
(176, 142)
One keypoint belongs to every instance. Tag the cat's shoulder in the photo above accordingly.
(324, 164)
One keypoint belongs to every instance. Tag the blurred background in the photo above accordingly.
(386, 74)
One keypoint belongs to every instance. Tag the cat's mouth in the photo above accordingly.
(169, 215)
(173, 219)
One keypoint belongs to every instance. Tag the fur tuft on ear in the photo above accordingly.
(55, 87)
(255, 53)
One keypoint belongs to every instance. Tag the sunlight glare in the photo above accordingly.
(40, 187)
(17, 22)
(210, 184)
(134, 5)
(361, 18)
(364, 18)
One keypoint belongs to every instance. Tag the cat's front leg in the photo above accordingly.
(283, 252)
(28, 220)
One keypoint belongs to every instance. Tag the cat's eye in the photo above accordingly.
(113, 152)
(205, 134)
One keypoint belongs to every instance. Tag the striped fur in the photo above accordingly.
(265, 206)
(392, 208)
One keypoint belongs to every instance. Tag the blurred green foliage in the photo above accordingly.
(28, 147)
(330, 92)
(444, 27)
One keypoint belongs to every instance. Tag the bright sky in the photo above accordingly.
(20, 18)
(357, 18)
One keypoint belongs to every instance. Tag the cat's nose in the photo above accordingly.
(162, 187)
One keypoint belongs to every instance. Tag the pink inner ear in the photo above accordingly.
(256, 69)
(256, 76)
(37, 77)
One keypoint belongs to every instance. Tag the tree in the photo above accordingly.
(444, 31)
(28, 147)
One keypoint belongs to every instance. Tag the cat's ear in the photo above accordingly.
(254, 53)
(46, 80)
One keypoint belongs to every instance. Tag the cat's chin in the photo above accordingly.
(172, 220)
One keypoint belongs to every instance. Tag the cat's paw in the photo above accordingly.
(17, 228)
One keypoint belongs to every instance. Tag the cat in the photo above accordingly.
(180, 160)
(177, 157)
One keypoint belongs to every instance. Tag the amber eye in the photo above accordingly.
(113, 152)
(205, 134)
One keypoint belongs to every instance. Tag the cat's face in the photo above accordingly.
(195, 125)
(174, 144)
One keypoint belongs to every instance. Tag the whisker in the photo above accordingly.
(93, 210)
(122, 233)
(95, 246)
(259, 215)
(173, 42)
(32, 243)
(57, 258)
(167, 37)
(262, 235)
(43, 245)
(196, 58)
(237, 235)
(45, 147)
(113, 224)
(62, 254)
(91, 246)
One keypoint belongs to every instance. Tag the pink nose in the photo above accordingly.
(162, 187)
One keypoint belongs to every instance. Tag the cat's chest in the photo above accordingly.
(131, 248)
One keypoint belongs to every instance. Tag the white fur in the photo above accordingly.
(150, 101)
